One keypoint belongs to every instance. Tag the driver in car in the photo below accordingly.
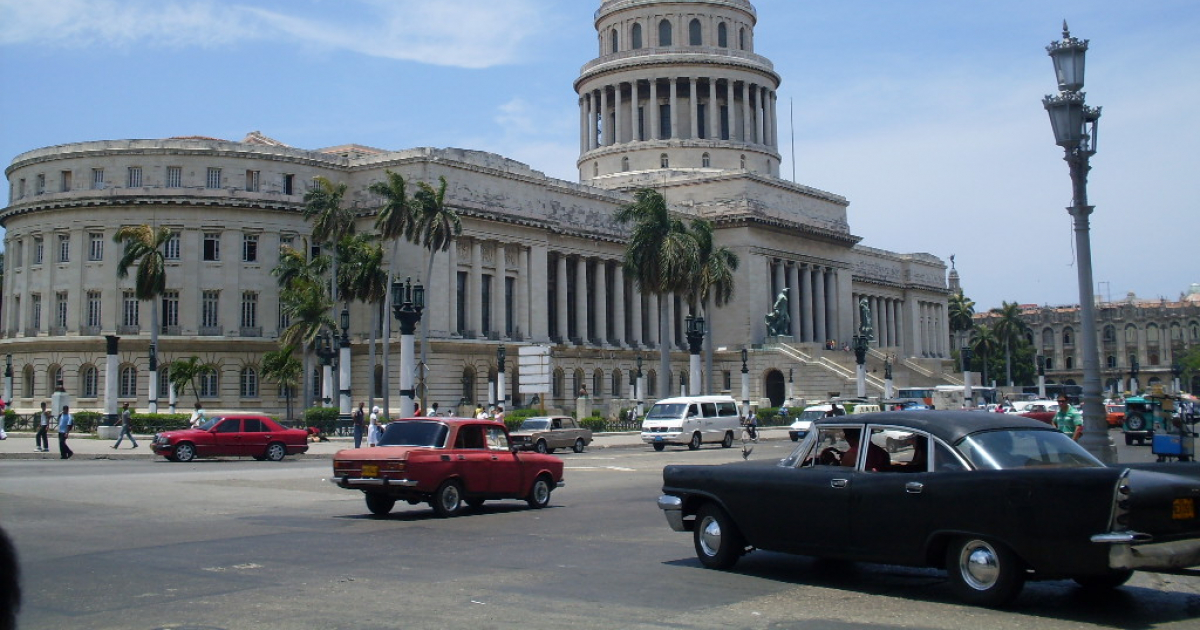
(877, 458)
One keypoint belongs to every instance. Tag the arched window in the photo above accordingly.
(1070, 362)
(694, 35)
(637, 36)
(28, 379)
(705, 161)
(1068, 337)
(742, 39)
(1195, 331)
(1153, 358)
(664, 161)
(597, 383)
(615, 42)
(127, 387)
(1047, 338)
(625, 164)
(208, 382)
(722, 35)
(53, 374)
(1131, 334)
(578, 383)
(1111, 361)
(87, 381)
(615, 386)
(651, 384)
(1110, 333)
(1049, 363)
(1152, 333)
(559, 381)
(664, 33)
(248, 383)
(1176, 332)
(377, 386)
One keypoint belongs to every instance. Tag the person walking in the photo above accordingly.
(197, 418)
(359, 416)
(1068, 419)
(40, 440)
(64, 431)
(126, 427)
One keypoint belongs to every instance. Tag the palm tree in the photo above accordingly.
(183, 374)
(662, 257)
(331, 222)
(144, 248)
(361, 277)
(282, 367)
(961, 312)
(1010, 330)
(396, 220)
(436, 228)
(983, 344)
(715, 281)
(301, 280)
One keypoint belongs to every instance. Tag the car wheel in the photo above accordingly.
(542, 447)
(795, 437)
(276, 451)
(578, 448)
(1104, 582)
(984, 573)
(659, 446)
(185, 452)
(539, 494)
(1135, 422)
(380, 504)
(728, 441)
(718, 541)
(447, 501)
(695, 442)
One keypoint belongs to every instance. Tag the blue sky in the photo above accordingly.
(925, 114)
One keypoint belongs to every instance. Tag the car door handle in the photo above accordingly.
(839, 483)
(914, 487)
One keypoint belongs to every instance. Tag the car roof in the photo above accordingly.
(950, 426)
(450, 421)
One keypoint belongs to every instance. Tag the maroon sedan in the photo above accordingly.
(241, 435)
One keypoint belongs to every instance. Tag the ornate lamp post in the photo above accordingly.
(344, 402)
(695, 339)
(326, 353)
(152, 390)
(861, 344)
(1176, 370)
(408, 301)
(968, 393)
(1075, 126)
(1041, 373)
(791, 385)
(8, 379)
(639, 394)
(745, 384)
(501, 392)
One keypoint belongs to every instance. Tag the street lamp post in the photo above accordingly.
(344, 402)
(791, 385)
(152, 390)
(1075, 125)
(501, 392)
(8, 379)
(1133, 377)
(641, 386)
(408, 301)
(1176, 370)
(968, 393)
(695, 339)
(860, 359)
(745, 384)
(326, 353)
(1041, 373)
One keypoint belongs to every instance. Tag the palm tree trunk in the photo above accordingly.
(371, 356)
(423, 367)
(708, 350)
(664, 344)
(153, 384)
(1008, 363)
(387, 328)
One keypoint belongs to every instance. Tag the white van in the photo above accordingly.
(692, 420)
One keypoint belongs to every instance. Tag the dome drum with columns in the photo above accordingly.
(538, 262)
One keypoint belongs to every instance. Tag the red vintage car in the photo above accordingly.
(242, 435)
(446, 462)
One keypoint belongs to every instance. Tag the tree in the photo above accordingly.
(144, 248)
(301, 282)
(361, 277)
(662, 257)
(1010, 330)
(183, 374)
(983, 345)
(282, 367)
(331, 223)
(715, 281)
(961, 312)
(436, 228)
(396, 220)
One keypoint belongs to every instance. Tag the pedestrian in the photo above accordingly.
(1068, 419)
(197, 418)
(41, 442)
(64, 431)
(359, 416)
(499, 417)
(374, 430)
(481, 413)
(752, 424)
(433, 411)
(126, 426)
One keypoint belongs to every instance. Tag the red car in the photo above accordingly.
(242, 435)
(446, 462)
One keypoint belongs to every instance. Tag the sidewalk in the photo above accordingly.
(20, 445)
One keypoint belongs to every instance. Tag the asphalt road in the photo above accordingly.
(242, 544)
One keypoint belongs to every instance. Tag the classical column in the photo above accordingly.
(634, 136)
(652, 111)
(794, 299)
(605, 130)
(773, 102)
(601, 296)
(819, 305)
(564, 329)
(583, 112)
(451, 294)
(761, 110)
(806, 304)
(581, 299)
(694, 105)
(831, 306)
(714, 110)
(745, 112)
(619, 304)
(618, 114)
(729, 115)
(777, 281)
(475, 290)
(524, 326)
(674, 87)
(635, 315)
(499, 294)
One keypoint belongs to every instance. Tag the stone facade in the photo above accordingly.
(539, 260)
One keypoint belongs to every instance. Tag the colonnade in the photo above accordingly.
(616, 113)
(885, 318)
(812, 299)
(933, 330)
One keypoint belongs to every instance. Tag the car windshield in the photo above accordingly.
(812, 414)
(535, 424)
(672, 411)
(210, 423)
(1010, 449)
(415, 433)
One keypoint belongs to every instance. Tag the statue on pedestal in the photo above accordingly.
(779, 322)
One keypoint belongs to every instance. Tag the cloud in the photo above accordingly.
(458, 33)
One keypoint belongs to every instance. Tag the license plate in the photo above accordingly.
(1183, 509)
(658, 438)
(370, 470)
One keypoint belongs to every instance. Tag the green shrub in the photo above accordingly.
(12, 420)
(324, 418)
(156, 422)
(595, 423)
(87, 421)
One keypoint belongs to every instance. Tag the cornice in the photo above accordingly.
(654, 58)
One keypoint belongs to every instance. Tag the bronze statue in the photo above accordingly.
(778, 320)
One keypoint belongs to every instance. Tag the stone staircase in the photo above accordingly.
(818, 372)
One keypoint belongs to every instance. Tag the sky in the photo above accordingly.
(925, 114)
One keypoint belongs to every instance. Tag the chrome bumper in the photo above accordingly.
(355, 482)
(672, 507)
(1132, 550)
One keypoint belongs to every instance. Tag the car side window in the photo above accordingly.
(710, 410)
(253, 425)
(692, 411)
(827, 448)
(944, 460)
(231, 425)
(469, 437)
(906, 450)
(556, 424)
(497, 439)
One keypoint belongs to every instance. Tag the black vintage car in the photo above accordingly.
(995, 499)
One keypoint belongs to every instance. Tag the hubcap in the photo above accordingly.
(710, 536)
(541, 492)
(979, 565)
(450, 498)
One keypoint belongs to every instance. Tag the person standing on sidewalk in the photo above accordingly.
(358, 425)
(40, 440)
(126, 427)
(64, 431)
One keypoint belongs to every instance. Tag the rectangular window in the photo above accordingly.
(289, 183)
(171, 247)
(214, 178)
(128, 382)
(39, 250)
(249, 248)
(486, 303)
(129, 309)
(170, 309)
(252, 181)
(60, 309)
(64, 181)
(64, 248)
(41, 184)
(93, 308)
(286, 241)
(95, 246)
(284, 320)
(35, 311)
(174, 177)
(135, 177)
(460, 317)
(209, 302)
(19, 258)
(21, 188)
(208, 384)
(249, 309)
(97, 179)
(212, 246)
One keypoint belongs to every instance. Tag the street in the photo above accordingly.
(144, 543)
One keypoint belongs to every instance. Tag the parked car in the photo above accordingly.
(1143, 416)
(803, 423)
(241, 435)
(446, 462)
(545, 434)
(981, 495)
(1114, 414)
(1043, 410)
